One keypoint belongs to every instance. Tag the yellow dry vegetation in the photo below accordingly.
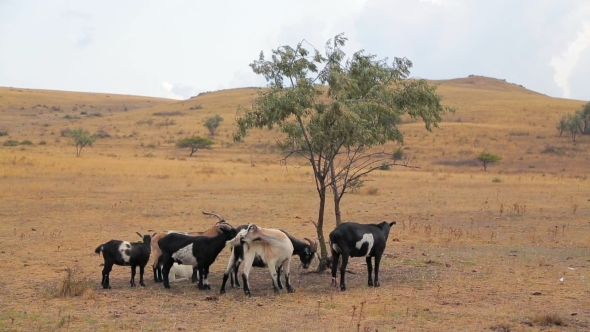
(502, 250)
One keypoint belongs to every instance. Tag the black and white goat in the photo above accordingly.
(156, 253)
(125, 253)
(198, 251)
(352, 239)
(305, 251)
(272, 246)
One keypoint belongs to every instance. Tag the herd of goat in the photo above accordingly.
(180, 256)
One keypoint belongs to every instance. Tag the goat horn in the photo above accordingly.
(312, 244)
(221, 219)
(141, 236)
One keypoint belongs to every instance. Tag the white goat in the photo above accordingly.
(271, 245)
(180, 272)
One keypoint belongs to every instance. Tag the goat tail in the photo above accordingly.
(98, 250)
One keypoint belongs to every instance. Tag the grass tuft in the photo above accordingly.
(73, 284)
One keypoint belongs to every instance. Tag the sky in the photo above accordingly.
(177, 49)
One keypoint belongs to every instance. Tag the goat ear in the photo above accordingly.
(154, 234)
(141, 236)
(392, 223)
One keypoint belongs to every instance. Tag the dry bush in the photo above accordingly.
(75, 283)
(548, 320)
(500, 328)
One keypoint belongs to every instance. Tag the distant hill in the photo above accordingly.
(492, 115)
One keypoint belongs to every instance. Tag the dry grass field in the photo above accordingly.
(502, 250)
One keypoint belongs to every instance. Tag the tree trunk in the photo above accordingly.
(320, 230)
(337, 196)
(193, 150)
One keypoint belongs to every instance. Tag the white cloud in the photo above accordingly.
(168, 91)
(436, 2)
(565, 63)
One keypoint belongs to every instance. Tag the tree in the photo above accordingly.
(194, 143)
(212, 123)
(335, 129)
(562, 125)
(81, 139)
(487, 158)
(574, 125)
(584, 115)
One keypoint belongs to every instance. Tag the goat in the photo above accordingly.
(198, 251)
(272, 246)
(180, 272)
(352, 239)
(125, 253)
(305, 251)
(157, 253)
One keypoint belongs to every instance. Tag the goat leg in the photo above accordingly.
(370, 270)
(141, 271)
(377, 262)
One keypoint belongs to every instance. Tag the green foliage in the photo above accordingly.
(81, 138)
(487, 158)
(194, 143)
(384, 166)
(366, 99)
(212, 123)
(4, 133)
(26, 142)
(574, 125)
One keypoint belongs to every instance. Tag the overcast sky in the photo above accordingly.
(177, 49)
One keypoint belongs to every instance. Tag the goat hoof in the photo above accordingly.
(377, 284)
(342, 288)
(370, 284)
(207, 287)
(142, 284)
(222, 291)
(291, 290)
(248, 294)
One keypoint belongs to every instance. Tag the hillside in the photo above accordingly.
(492, 115)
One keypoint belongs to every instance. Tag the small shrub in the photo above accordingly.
(398, 154)
(496, 180)
(83, 113)
(10, 143)
(169, 113)
(558, 151)
(148, 122)
(102, 133)
(372, 191)
(42, 143)
(65, 132)
(26, 142)
(196, 107)
(384, 166)
(518, 133)
(167, 122)
(4, 133)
